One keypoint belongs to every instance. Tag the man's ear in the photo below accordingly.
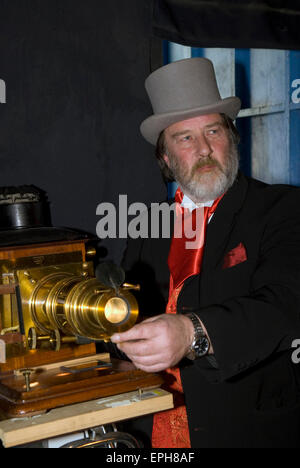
(166, 159)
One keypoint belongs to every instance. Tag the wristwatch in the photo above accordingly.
(200, 345)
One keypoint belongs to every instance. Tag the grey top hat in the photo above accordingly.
(182, 90)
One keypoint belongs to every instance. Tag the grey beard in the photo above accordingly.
(197, 190)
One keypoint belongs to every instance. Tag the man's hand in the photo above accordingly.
(157, 343)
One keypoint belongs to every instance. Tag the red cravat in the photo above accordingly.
(183, 261)
(170, 428)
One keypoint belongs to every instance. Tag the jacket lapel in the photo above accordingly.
(222, 223)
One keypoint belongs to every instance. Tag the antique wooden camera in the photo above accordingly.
(53, 311)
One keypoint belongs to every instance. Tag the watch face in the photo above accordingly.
(201, 346)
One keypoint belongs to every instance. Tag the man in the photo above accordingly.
(233, 304)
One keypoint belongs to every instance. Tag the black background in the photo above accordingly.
(272, 24)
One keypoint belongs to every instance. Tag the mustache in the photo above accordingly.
(205, 162)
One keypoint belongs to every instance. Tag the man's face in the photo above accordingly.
(202, 156)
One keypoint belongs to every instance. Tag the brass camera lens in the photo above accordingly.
(116, 310)
(78, 306)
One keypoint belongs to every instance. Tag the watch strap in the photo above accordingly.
(199, 336)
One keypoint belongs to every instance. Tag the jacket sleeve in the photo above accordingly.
(247, 330)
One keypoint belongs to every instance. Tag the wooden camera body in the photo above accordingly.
(52, 312)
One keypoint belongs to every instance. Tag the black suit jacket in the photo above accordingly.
(250, 395)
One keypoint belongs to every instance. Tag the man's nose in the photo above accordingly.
(203, 146)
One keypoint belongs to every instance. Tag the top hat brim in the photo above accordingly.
(154, 125)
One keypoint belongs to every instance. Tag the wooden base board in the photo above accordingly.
(51, 387)
(75, 418)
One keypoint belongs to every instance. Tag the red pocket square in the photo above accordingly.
(235, 256)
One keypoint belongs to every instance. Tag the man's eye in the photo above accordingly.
(186, 138)
(213, 131)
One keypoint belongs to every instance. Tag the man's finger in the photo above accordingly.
(148, 360)
(152, 368)
(138, 332)
(137, 348)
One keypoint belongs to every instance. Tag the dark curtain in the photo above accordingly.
(74, 73)
(273, 24)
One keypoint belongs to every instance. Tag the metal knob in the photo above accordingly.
(27, 373)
